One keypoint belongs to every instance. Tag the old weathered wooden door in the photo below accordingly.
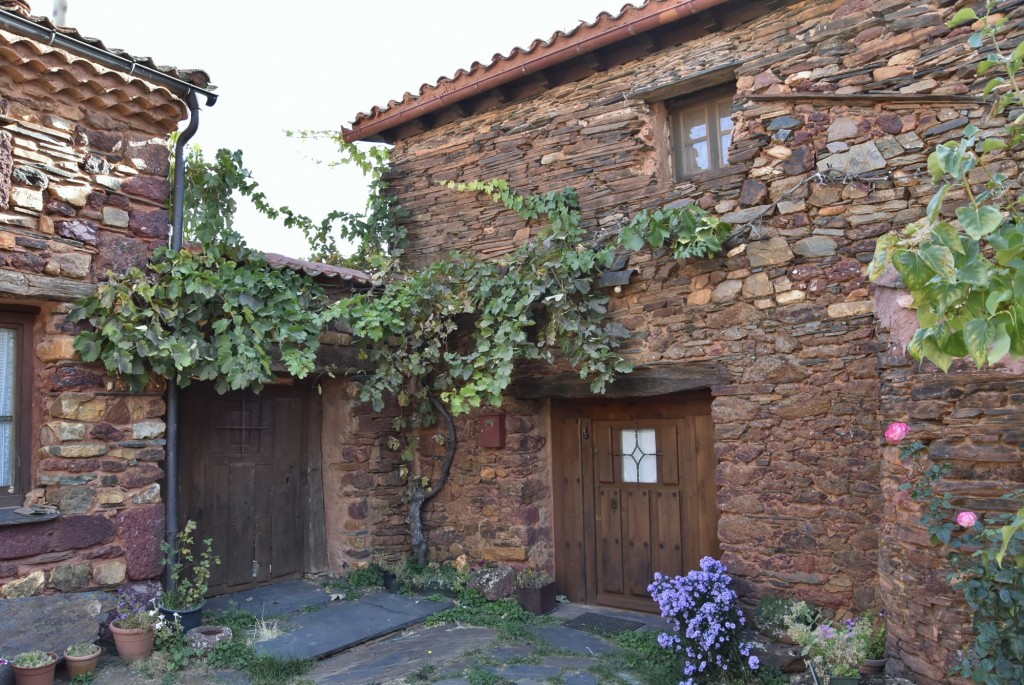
(242, 464)
(634, 494)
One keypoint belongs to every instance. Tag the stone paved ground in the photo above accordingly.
(442, 655)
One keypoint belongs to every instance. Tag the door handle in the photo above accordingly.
(614, 503)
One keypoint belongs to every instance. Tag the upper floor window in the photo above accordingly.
(701, 129)
(15, 406)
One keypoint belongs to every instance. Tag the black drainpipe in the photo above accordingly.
(173, 397)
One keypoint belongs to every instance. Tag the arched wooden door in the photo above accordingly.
(634, 489)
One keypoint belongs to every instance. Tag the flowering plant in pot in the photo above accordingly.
(34, 668)
(834, 652)
(871, 633)
(535, 590)
(134, 628)
(190, 577)
(81, 658)
(706, 621)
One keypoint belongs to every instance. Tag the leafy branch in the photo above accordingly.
(966, 276)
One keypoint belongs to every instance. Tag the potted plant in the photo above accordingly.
(34, 668)
(834, 652)
(872, 639)
(535, 591)
(81, 658)
(185, 599)
(135, 625)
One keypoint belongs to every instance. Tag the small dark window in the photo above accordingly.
(701, 129)
(15, 406)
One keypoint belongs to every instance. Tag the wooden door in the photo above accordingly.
(243, 457)
(634, 495)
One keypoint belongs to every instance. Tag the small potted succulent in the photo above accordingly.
(190, 576)
(134, 628)
(535, 591)
(81, 658)
(34, 668)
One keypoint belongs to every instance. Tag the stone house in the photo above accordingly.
(84, 189)
(766, 375)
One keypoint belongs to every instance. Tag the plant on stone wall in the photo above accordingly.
(441, 341)
(986, 557)
(966, 276)
(445, 340)
(215, 312)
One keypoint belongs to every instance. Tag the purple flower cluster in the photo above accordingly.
(704, 613)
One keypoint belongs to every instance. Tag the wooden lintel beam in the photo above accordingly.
(462, 108)
(647, 42)
(502, 94)
(594, 61)
(709, 20)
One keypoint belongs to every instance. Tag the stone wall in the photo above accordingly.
(495, 507)
(83, 190)
(819, 170)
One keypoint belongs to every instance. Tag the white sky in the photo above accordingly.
(313, 64)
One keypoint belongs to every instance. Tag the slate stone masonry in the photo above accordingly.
(83, 190)
(806, 492)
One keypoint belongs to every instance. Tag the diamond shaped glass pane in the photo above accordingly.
(640, 455)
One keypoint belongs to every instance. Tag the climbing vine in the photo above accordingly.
(441, 341)
(966, 276)
(215, 311)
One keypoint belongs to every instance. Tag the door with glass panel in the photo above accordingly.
(635, 494)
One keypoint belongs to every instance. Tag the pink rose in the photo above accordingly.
(966, 519)
(896, 431)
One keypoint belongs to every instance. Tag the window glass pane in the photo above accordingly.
(639, 456)
(695, 125)
(725, 116)
(725, 141)
(695, 158)
(8, 374)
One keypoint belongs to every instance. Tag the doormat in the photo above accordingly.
(600, 624)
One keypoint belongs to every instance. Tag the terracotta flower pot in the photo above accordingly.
(40, 675)
(133, 644)
(80, 665)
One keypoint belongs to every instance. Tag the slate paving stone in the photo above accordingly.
(341, 625)
(581, 679)
(575, 641)
(510, 652)
(273, 600)
(402, 655)
(70, 618)
(569, 662)
(528, 673)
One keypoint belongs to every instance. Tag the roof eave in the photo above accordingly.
(506, 70)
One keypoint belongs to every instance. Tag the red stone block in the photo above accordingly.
(79, 532)
(140, 530)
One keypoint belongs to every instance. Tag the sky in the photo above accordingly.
(313, 65)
